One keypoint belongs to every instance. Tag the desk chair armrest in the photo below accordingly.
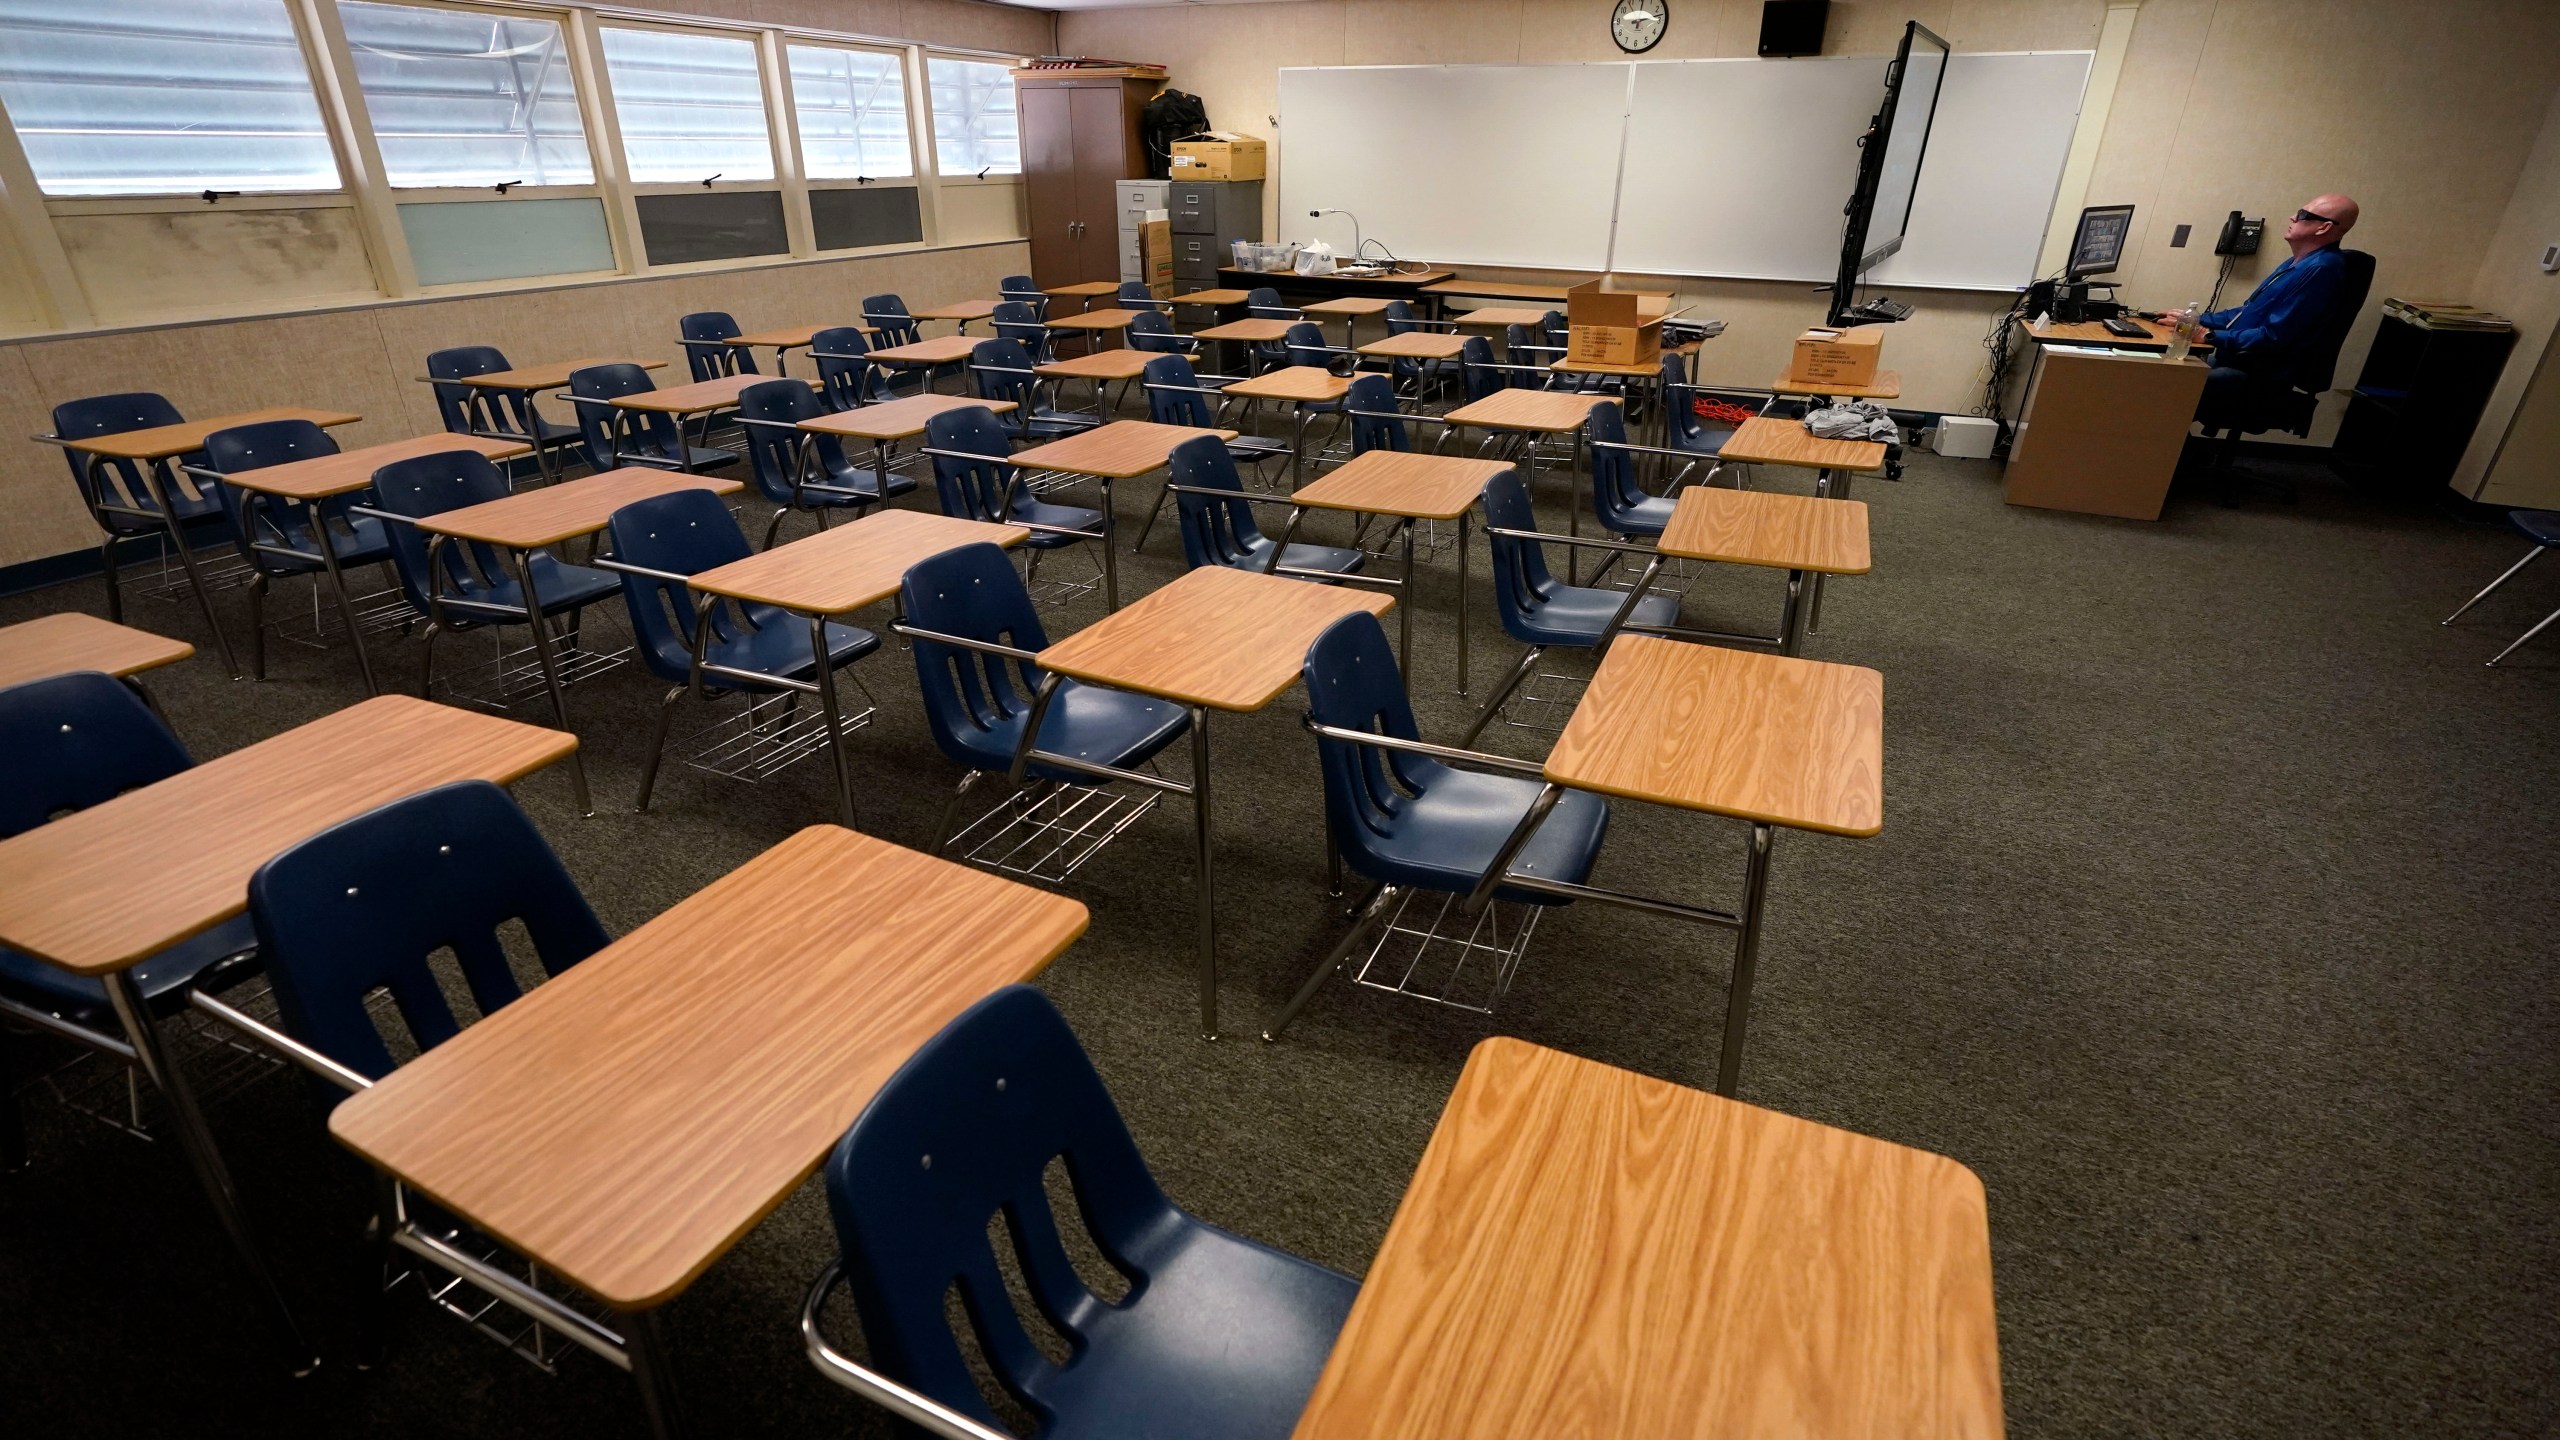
(839, 355)
(1449, 753)
(625, 567)
(285, 1045)
(893, 319)
(590, 400)
(1400, 415)
(1446, 327)
(54, 440)
(204, 472)
(1507, 365)
(1275, 312)
(1647, 449)
(790, 425)
(372, 514)
(985, 647)
(1584, 541)
(1005, 370)
(1212, 393)
(963, 455)
(1246, 496)
(923, 1412)
(1539, 349)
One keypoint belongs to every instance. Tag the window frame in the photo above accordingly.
(784, 164)
(971, 177)
(584, 97)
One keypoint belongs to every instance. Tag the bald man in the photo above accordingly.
(2255, 341)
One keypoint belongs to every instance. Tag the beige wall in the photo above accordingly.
(367, 360)
(2426, 112)
(2522, 466)
(966, 24)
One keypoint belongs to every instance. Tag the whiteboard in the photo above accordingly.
(1457, 164)
(1725, 168)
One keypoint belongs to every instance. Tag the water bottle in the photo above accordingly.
(2183, 338)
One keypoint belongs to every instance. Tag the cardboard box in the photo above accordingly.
(1610, 327)
(1219, 155)
(1155, 253)
(1838, 357)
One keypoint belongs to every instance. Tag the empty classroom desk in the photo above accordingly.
(1093, 324)
(1084, 292)
(701, 397)
(526, 381)
(1523, 416)
(1250, 331)
(1410, 487)
(1767, 440)
(1800, 534)
(1121, 450)
(1214, 639)
(926, 355)
(52, 645)
(1588, 1251)
(72, 899)
(325, 477)
(891, 421)
(836, 572)
(517, 525)
(1101, 367)
(1495, 317)
(783, 340)
(1350, 308)
(1213, 299)
(627, 1122)
(1887, 385)
(959, 313)
(1766, 738)
(1297, 386)
(150, 449)
(1433, 348)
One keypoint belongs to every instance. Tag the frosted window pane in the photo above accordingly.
(852, 106)
(158, 97)
(460, 98)
(691, 106)
(973, 121)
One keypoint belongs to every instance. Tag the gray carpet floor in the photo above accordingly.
(2211, 924)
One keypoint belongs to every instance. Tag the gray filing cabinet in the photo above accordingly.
(1136, 198)
(1209, 216)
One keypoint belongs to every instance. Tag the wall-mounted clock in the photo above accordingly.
(1637, 25)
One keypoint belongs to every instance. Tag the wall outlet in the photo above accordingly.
(2178, 237)
(2551, 259)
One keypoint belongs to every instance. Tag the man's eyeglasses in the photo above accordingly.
(2309, 218)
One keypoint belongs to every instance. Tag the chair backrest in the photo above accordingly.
(1552, 324)
(773, 456)
(1022, 290)
(462, 408)
(1521, 581)
(1679, 410)
(363, 904)
(846, 379)
(1476, 368)
(1263, 303)
(1176, 407)
(1307, 345)
(96, 415)
(1001, 368)
(1215, 531)
(430, 485)
(254, 517)
(682, 532)
(1137, 295)
(972, 592)
(889, 314)
(77, 740)
(702, 334)
(1150, 330)
(1614, 490)
(2316, 367)
(1019, 321)
(1520, 344)
(972, 489)
(1381, 428)
(1353, 684)
(643, 432)
(1399, 317)
(991, 1101)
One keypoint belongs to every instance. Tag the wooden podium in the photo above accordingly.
(2101, 434)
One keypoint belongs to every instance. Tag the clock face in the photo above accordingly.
(1637, 25)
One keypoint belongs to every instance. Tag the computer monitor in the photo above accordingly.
(2098, 245)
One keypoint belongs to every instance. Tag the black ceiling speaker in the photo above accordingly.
(1793, 27)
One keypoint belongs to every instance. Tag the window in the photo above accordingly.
(852, 106)
(691, 106)
(462, 98)
(160, 97)
(973, 122)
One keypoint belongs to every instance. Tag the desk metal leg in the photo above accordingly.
(1462, 600)
(134, 1014)
(644, 1341)
(835, 721)
(1823, 483)
(151, 476)
(1110, 548)
(1297, 443)
(1746, 955)
(1208, 875)
(1404, 603)
(1791, 616)
(346, 606)
(551, 674)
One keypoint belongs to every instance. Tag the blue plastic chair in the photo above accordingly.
(1264, 303)
(463, 584)
(613, 438)
(1020, 323)
(1135, 295)
(1175, 396)
(1405, 821)
(281, 538)
(1217, 1334)
(971, 474)
(799, 469)
(1538, 610)
(1624, 507)
(1686, 432)
(888, 314)
(977, 701)
(1152, 331)
(704, 335)
(1480, 373)
(118, 498)
(846, 376)
(1022, 290)
(74, 741)
(1003, 371)
(509, 415)
(2542, 527)
(659, 541)
(1216, 517)
(1376, 423)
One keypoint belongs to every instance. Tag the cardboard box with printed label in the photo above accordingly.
(1838, 357)
(1611, 327)
(1155, 253)
(1218, 155)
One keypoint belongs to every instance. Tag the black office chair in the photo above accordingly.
(2288, 401)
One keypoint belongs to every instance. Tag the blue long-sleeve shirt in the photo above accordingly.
(2278, 316)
